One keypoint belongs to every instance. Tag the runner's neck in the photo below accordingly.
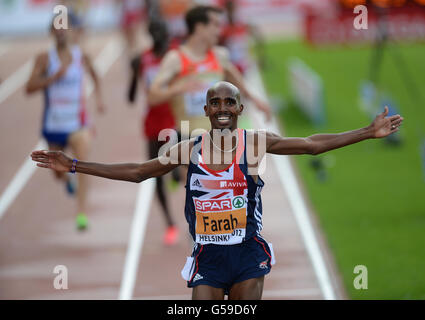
(197, 49)
(61, 49)
(219, 143)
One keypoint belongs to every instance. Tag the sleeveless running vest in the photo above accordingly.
(191, 106)
(223, 207)
(64, 110)
(158, 117)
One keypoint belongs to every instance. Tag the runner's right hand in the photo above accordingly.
(55, 160)
(61, 72)
(188, 85)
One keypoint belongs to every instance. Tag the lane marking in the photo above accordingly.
(19, 180)
(137, 235)
(109, 54)
(292, 188)
(15, 80)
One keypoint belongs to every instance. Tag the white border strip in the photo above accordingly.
(291, 186)
(15, 81)
(109, 54)
(137, 235)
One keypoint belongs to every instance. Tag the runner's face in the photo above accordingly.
(212, 28)
(223, 108)
(61, 36)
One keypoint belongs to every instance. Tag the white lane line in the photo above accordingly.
(291, 186)
(19, 181)
(15, 81)
(109, 54)
(106, 58)
(137, 235)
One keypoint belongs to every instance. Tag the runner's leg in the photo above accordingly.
(251, 289)
(204, 292)
(154, 147)
(80, 144)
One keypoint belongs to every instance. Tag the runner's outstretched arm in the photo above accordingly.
(133, 172)
(381, 127)
(97, 83)
(134, 81)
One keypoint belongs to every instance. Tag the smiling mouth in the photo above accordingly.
(223, 119)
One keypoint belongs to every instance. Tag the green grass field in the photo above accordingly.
(372, 207)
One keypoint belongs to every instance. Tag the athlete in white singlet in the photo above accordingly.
(59, 73)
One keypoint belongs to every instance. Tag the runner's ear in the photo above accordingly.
(206, 110)
(241, 107)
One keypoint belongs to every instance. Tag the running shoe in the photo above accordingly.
(82, 221)
(171, 236)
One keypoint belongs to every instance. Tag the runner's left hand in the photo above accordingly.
(383, 126)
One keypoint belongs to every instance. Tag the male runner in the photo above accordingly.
(187, 72)
(132, 14)
(235, 37)
(223, 201)
(59, 73)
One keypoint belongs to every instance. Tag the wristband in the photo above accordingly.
(74, 165)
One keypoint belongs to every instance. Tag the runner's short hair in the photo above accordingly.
(74, 21)
(199, 14)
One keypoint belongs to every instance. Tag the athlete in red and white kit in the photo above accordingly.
(236, 36)
(158, 117)
(132, 14)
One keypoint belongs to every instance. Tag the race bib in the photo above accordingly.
(221, 221)
(194, 103)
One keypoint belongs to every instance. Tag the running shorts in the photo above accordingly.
(221, 266)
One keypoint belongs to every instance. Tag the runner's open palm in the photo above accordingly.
(383, 126)
(55, 160)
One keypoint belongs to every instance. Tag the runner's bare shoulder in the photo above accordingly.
(171, 60)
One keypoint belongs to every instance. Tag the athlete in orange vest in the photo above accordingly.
(187, 72)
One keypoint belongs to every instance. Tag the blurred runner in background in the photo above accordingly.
(59, 73)
(158, 117)
(187, 72)
(132, 14)
(77, 10)
(236, 37)
(173, 13)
